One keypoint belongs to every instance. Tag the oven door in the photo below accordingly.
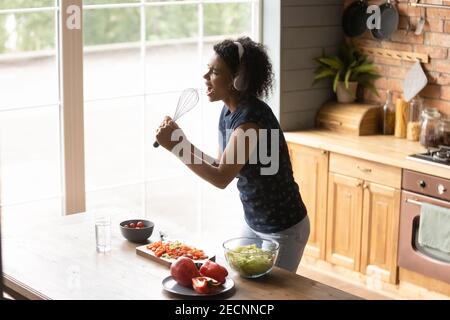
(411, 255)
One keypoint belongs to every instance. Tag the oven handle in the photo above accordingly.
(418, 203)
(437, 202)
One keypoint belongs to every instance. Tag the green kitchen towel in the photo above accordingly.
(434, 227)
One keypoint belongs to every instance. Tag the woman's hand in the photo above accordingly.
(166, 131)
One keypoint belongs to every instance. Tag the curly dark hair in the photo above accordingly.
(256, 66)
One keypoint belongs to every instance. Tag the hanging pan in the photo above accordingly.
(389, 21)
(354, 19)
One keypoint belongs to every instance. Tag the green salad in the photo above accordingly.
(250, 260)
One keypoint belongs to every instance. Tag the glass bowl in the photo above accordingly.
(251, 257)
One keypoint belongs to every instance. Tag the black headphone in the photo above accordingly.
(239, 81)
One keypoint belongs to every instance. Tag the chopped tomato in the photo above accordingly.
(176, 249)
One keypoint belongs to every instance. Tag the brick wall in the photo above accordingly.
(435, 41)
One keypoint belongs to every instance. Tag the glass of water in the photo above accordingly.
(103, 233)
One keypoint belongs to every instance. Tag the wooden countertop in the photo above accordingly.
(383, 149)
(57, 260)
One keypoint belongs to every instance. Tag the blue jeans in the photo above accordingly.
(292, 243)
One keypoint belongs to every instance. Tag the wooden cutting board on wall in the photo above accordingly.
(356, 119)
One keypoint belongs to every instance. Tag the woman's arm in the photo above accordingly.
(234, 157)
(194, 151)
(208, 159)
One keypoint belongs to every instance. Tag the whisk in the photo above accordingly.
(187, 101)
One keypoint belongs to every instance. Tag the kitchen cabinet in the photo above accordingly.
(345, 200)
(310, 166)
(377, 163)
(354, 206)
(381, 208)
(363, 216)
(362, 232)
(366, 170)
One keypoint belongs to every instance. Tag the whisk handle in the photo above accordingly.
(155, 144)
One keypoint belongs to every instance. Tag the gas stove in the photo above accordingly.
(440, 157)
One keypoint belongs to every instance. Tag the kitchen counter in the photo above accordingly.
(57, 260)
(378, 148)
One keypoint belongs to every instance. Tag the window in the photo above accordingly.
(29, 109)
(138, 56)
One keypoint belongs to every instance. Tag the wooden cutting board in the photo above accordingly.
(149, 254)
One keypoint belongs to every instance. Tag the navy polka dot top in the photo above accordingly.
(271, 199)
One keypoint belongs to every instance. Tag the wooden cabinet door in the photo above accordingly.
(345, 198)
(310, 168)
(381, 211)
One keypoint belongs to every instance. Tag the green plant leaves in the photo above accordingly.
(334, 62)
(336, 81)
(366, 68)
(322, 73)
(347, 77)
(349, 65)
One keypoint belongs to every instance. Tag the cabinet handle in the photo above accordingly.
(324, 152)
(359, 184)
(366, 186)
(365, 170)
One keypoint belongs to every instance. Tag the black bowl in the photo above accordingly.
(137, 235)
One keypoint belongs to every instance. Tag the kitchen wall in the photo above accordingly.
(307, 28)
(435, 41)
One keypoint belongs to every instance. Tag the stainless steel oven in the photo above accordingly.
(419, 188)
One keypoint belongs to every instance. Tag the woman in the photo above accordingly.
(239, 74)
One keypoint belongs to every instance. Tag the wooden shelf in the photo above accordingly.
(395, 54)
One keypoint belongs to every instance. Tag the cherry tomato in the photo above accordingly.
(140, 224)
(126, 226)
(132, 225)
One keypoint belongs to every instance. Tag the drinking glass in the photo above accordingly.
(103, 233)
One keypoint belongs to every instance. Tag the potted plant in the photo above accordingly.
(347, 70)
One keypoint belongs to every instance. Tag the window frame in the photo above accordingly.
(72, 111)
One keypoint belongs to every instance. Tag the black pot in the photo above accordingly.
(389, 21)
(354, 19)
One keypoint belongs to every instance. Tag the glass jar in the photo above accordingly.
(413, 127)
(444, 131)
(429, 131)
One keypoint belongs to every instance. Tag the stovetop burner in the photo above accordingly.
(443, 154)
(440, 156)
